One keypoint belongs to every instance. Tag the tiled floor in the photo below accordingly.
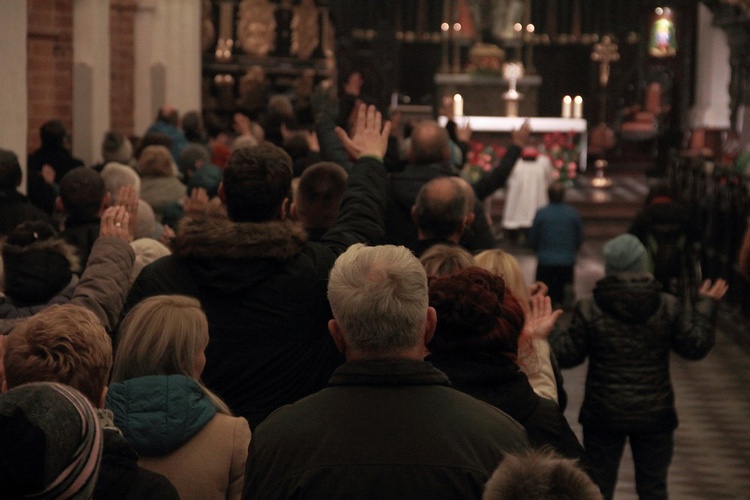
(712, 444)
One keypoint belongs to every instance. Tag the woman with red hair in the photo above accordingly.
(476, 344)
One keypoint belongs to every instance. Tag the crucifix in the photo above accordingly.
(604, 53)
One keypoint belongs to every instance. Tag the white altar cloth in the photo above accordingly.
(538, 124)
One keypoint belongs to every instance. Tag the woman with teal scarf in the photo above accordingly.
(178, 427)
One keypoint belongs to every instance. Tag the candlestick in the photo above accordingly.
(458, 106)
(456, 47)
(567, 103)
(578, 107)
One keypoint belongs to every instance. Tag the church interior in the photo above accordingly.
(621, 94)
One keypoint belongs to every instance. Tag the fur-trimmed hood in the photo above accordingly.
(220, 237)
(36, 272)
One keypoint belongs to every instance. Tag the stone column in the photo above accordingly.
(167, 58)
(91, 78)
(14, 91)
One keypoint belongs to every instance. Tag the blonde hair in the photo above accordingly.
(379, 297)
(504, 264)
(162, 335)
(63, 343)
(440, 260)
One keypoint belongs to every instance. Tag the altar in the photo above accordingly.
(483, 94)
(485, 127)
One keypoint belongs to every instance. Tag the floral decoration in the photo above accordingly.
(481, 158)
(564, 151)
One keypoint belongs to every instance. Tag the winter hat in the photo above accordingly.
(146, 250)
(37, 264)
(208, 177)
(51, 441)
(625, 254)
(190, 155)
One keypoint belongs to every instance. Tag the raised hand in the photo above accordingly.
(715, 290)
(127, 198)
(521, 136)
(370, 136)
(196, 204)
(541, 318)
(48, 174)
(116, 222)
(538, 288)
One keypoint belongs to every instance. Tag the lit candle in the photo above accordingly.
(578, 107)
(566, 106)
(458, 106)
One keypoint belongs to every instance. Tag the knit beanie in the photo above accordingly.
(147, 250)
(37, 264)
(625, 254)
(51, 443)
(208, 177)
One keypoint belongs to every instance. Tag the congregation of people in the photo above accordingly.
(302, 303)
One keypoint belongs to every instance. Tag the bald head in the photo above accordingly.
(429, 143)
(168, 114)
(443, 208)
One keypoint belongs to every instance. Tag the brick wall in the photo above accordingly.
(50, 64)
(122, 61)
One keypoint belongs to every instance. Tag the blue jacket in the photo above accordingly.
(159, 413)
(556, 235)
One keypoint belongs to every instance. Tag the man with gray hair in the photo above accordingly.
(387, 425)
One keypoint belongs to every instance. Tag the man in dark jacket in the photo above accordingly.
(430, 155)
(387, 425)
(83, 199)
(261, 283)
(54, 155)
(627, 330)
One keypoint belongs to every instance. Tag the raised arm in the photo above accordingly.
(498, 176)
(361, 216)
(106, 280)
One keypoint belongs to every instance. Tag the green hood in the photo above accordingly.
(159, 413)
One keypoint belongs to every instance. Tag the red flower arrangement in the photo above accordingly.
(481, 158)
(564, 151)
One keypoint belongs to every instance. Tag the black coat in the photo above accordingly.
(498, 381)
(381, 430)
(627, 330)
(42, 194)
(263, 288)
(120, 477)
(404, 187)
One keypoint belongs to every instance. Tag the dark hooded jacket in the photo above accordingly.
(404, 187)
(263, 288)
(627, 330)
